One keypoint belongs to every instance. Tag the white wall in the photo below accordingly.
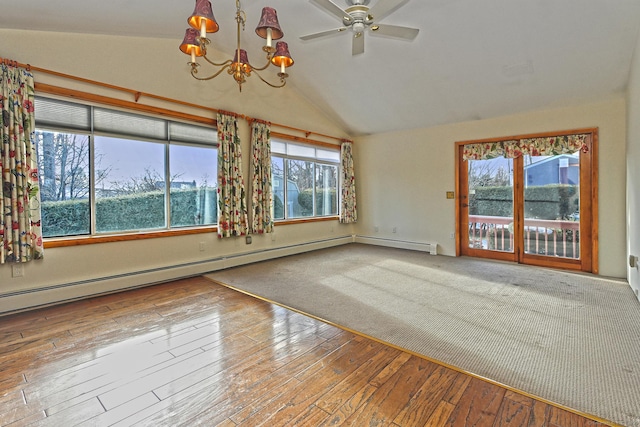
(633, 169)
(403, 177)
(157, 67)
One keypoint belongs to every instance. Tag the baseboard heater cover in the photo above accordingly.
(430, 247)
(11, 302)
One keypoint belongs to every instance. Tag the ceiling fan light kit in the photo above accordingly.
(360, 17)
(202, 22)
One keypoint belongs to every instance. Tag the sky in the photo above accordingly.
(130, 158)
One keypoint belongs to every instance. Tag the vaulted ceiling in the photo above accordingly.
(471, 59)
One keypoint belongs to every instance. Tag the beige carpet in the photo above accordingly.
(569, 338)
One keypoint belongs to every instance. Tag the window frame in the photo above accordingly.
(286, 139)
(169, 117)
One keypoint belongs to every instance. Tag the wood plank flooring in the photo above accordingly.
(192, 352)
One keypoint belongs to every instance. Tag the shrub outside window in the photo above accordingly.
(305, 180)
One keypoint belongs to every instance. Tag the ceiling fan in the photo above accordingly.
(359, 17)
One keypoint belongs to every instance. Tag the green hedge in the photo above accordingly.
(67, 218)
(190, 207)
(543, 202)
(305, 199)
(130, 212)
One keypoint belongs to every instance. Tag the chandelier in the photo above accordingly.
(195, 44)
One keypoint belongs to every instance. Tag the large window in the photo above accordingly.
(305, 180)
(105, 171)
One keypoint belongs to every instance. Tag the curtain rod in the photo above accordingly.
(138, 94)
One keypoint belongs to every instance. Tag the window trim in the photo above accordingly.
(72, 95)
(337, 164)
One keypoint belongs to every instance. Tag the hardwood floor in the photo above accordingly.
(192, 352)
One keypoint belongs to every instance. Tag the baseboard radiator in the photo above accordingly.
(430, 247)
(66, 292)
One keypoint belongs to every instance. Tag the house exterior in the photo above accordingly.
(561, 169)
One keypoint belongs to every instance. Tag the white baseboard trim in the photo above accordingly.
(430, 247)
(65, 292)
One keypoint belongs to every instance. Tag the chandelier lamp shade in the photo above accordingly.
(202, 23)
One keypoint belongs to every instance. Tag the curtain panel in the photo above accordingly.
(232, 208)
(20, 223)
(261, 183)
(348, 211)
(548, 146)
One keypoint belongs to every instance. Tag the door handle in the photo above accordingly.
(465, 205)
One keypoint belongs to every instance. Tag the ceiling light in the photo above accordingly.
(202, 22)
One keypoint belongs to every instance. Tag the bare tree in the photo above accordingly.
(63, 163)
(485, 173)
(300, 172)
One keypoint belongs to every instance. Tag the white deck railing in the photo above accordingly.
(541, 236)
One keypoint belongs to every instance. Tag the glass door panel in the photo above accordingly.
(490, 204)
(552, 206)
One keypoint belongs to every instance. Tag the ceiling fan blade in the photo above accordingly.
(384, 7)
(332, 8)
(358, 44)
(395, 31)
(323, 33)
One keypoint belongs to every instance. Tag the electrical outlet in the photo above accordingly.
(376, 228)
(17, 270)
(452, 235)
(395, 229)
(248, 240)
(203, 246)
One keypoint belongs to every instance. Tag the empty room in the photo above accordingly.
(320, 212)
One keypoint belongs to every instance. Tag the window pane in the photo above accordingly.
(330, 155)
(326, 190)
(277, 171)
(63, 165)
(193, 177)
(301, 151)
(131, 192)
(299, 188)
(491, 204)
(552, 205)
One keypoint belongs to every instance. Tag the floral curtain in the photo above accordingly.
(232, 208)
(548, 146)
(20, 223)
(261, 185)
(348, 212)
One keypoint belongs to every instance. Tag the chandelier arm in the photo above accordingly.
(222, 64)
(213, 76)
(283, 80)
(263, 68)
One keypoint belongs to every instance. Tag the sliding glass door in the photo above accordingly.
(529, 199)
